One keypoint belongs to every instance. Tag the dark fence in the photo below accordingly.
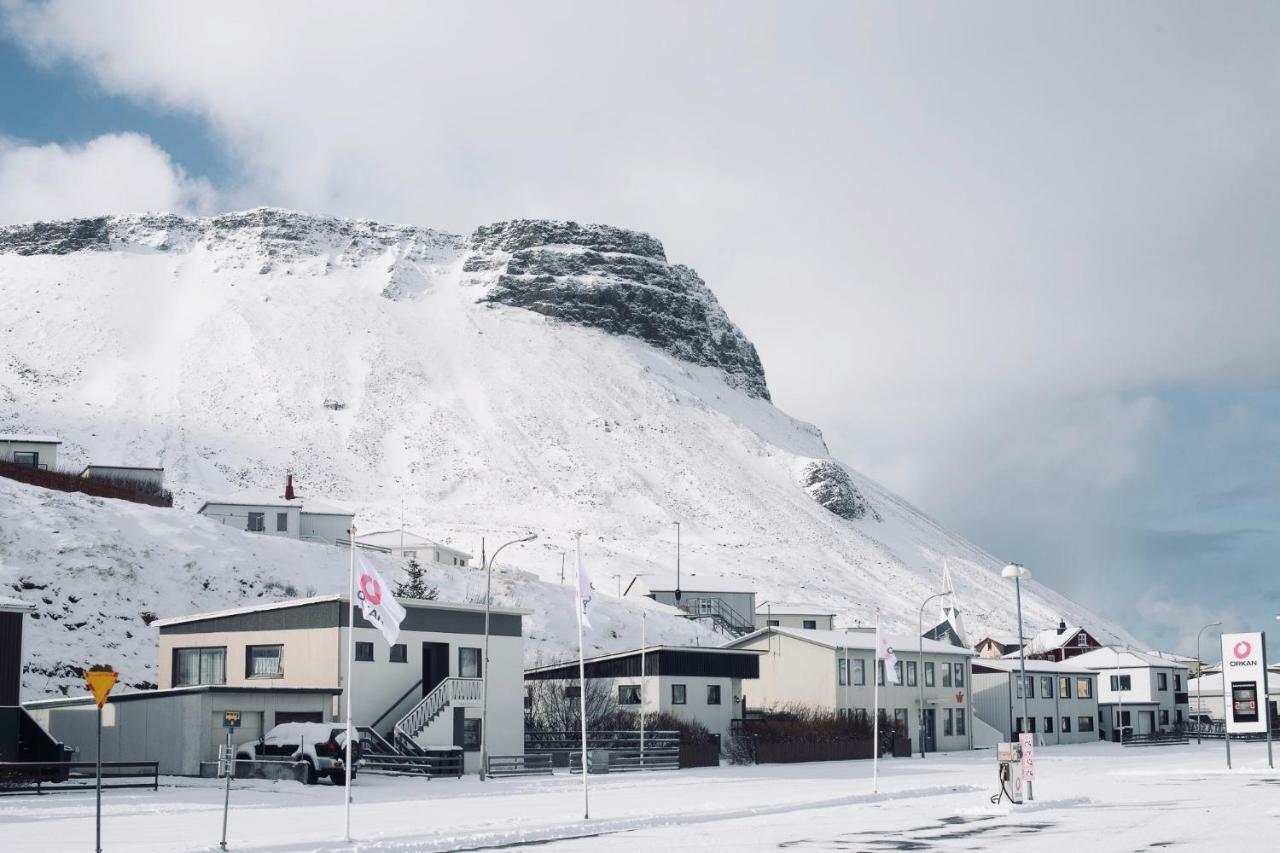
(786, 752)
(68, 481)
(56, 777)
(700, 755)
(560, 745)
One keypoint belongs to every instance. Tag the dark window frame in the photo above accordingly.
(471, 732)
(399, 653)
(713, 690)
(628, 694)
(282, 522)
(683, 694)
(248, 661)
(479, 661)
(173, 675)
(363, 651)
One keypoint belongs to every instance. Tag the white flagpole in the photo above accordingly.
(351, 646)
(875, 714)
(582, 688)
(642, 623)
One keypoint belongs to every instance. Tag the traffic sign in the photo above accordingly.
(231, 719)
(100, 683)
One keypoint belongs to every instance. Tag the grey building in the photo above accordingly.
(1062, 702)
(726, 604)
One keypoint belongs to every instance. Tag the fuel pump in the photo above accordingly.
(1009, 770)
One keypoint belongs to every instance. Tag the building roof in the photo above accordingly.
(694, 582)
(267, 497)
(392, 539)
(1036, 666)
(1111, 658)
(1171, 656)
(1002, 639)
(89, 468)
(12, 605)
(710, 650)
(1050, 639)
(27, 438)
(857, 640)
(298, 602)
(793, 608)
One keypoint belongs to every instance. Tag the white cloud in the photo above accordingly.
(114, 173)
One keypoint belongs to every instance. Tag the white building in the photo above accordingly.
(727, 604)
(1062, 701)
(783, 614)
(411, 546)
(288, 514)
(832, 671)
(153, 477)
(38, 451)
(427, 685)
(1137, 692)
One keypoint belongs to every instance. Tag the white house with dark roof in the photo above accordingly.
(38, 451)
(790, 614)
(411, 546)
(833, 671)
(728, 604)
(287, 514)
(1138, 693)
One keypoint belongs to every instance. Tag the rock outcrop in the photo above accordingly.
(830, 485)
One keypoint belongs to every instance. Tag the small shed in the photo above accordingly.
(38, 451)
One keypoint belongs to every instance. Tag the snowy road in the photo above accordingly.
(1098, 797)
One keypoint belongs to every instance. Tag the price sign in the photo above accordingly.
(1027, 741)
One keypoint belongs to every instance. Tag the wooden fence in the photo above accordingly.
(67, 481)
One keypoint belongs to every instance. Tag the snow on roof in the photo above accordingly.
(1002, 639)
(647, 650)
(857, 640)
(26, 438)
(696, 582)
(267, 497)
(12, 604)
(793, 608)
(118, 468)
(1014, 665)
(392, 539)
(298, 602)
(1050, 639)
(1109, 658)
(1172, 656)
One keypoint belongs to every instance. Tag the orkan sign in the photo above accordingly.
(1244, 682)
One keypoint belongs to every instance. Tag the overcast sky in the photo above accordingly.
(1017, 260)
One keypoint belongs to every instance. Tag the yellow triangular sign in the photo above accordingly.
(101, 683)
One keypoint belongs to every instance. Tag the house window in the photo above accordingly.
(948, 724)
(1084, 688)
(1048, 725)
(263, 662)
(859, 672)
(628, 694)
(946, 675)
(573, 691)
(860, 714)
(257, 522)
(364, 651)
(199, 666)
(1120, 682)
(678, 694)
(1017, 725)
(1086, 724)
(911, 673)
(772, 623)
(897, 671)
(842, 670)
(1081, 640)
(1162, 681)
(399, 653)
(928, 674)
(713, 694)
(1030, 684)
(26, 457)
(471, 734)
(1124, 718)
(960, 730)
(1066, 725)
(1177, 681)
(1031, 723)
(1177, 717)
(880, 672)
(1164, 717)
(900, 720)
(810, 624)
(959, 675)
(282, 522)
(1046, 686)
(1064, 690)
(468, 662)
(706, 607)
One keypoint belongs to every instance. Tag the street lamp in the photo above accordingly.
(1200, 680)
(677, 563)
(484, 670)
(1018, 572)
(920, 674)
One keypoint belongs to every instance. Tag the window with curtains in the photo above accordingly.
(468, 662)
(199, 666)
(1084, 689)
(1030, 685)
(263, 662)
(842, 667)
(679, 693)
(859, 672)
(1048, 725)
(911, 673)
(1066, 725)
(1064, 690)
(960, 728)
(948, 725)
(959, 675)
(897, 671)
(628, 694)
(928, 674)
(946, 675)
(1046, 686)
(1121, 682)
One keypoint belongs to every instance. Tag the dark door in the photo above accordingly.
(435, 665)
(930, 730)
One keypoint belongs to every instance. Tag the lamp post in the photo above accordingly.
(1200, 680)
(1018, 572)
(920, 674)
(677, 563)
(484, 669)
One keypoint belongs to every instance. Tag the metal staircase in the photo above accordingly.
(721, 615)
(450, 693)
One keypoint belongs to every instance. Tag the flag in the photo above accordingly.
(884, 652)
(584, 589)
(377, 605)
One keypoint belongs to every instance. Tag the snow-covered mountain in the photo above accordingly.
(536, 375)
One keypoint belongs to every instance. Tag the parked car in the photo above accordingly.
(322, 746)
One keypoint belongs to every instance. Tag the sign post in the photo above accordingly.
(1246, 708)
(230, 722)
(100, 680)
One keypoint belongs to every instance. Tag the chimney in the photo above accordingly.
(288, 487)
(1062, 626)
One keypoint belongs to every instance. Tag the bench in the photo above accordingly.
(500, 766)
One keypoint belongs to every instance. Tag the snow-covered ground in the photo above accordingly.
(1098, 797)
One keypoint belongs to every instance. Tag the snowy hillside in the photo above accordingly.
(535, 376)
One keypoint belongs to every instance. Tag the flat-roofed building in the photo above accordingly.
(1062, 701)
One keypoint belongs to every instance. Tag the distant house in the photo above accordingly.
(1061, 643)
(996, 646)
(38, 451)
(151, 477)
(1204, 694)
(263, 511)
(723, 603)
(1062, 702)
(781, 614)
(411, 546)
(1138, 693)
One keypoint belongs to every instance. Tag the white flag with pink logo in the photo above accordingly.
(885, 652)
(377, 604)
